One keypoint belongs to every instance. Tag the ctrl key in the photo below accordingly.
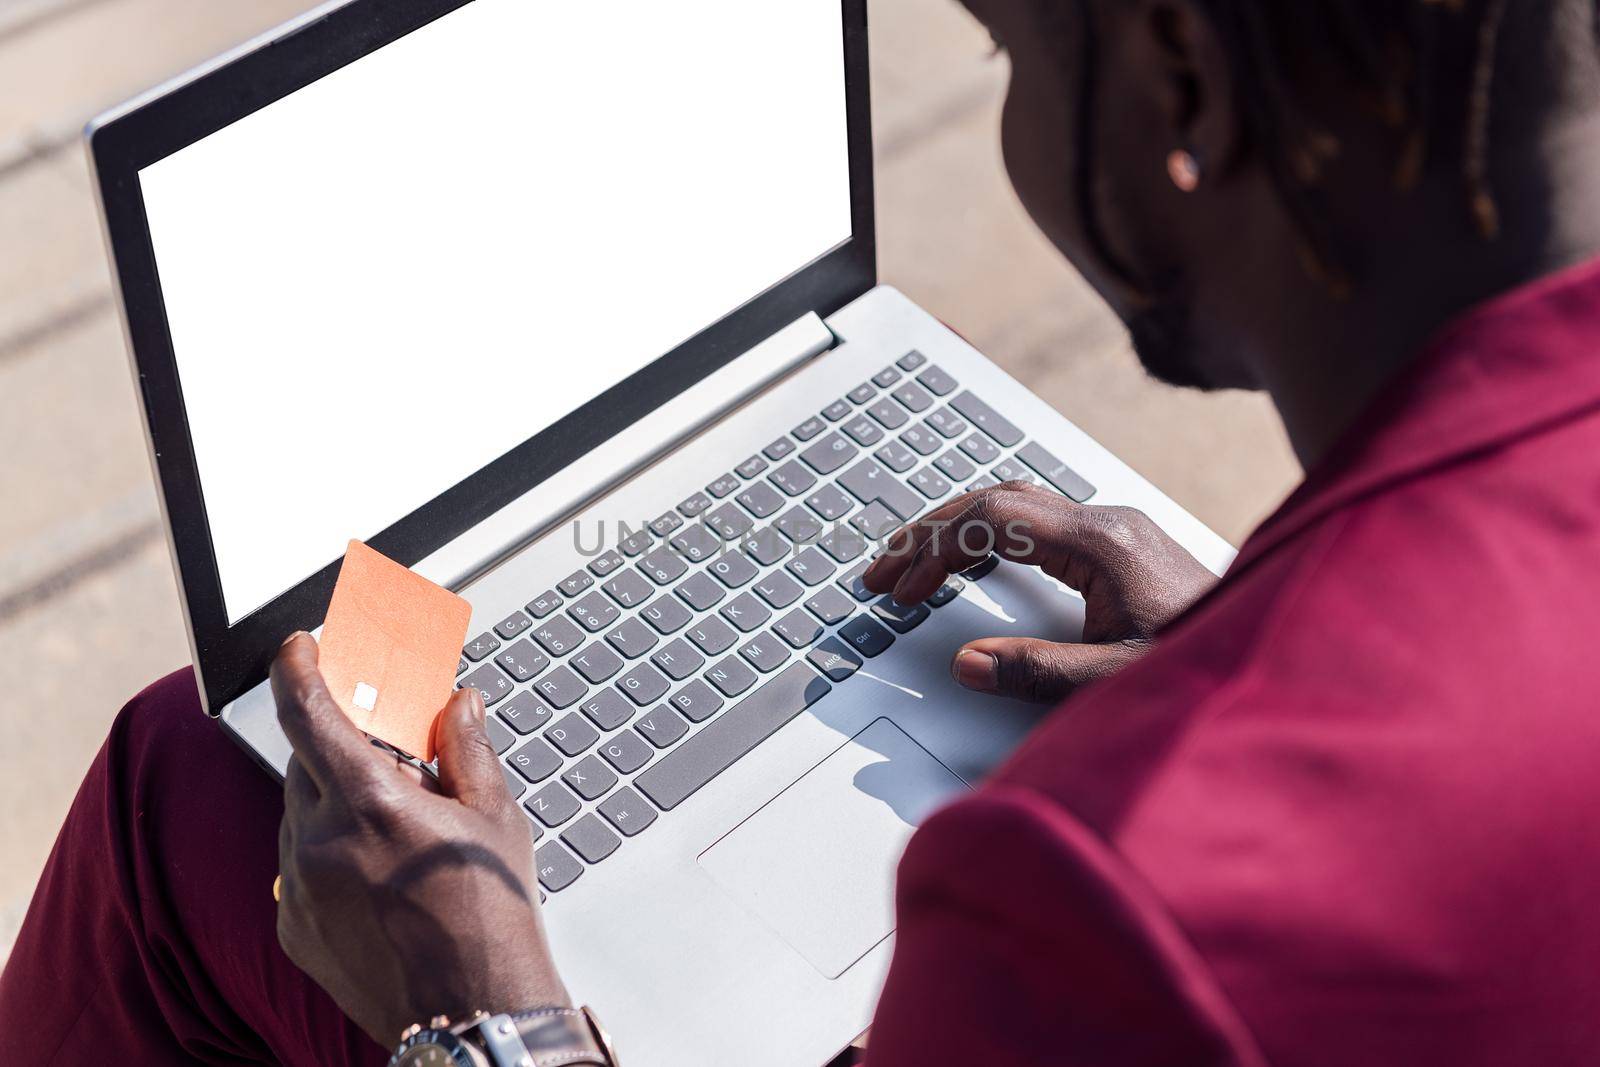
(557, 867)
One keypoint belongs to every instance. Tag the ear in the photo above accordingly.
(1195, 90)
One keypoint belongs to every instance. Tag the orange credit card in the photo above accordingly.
(390, 647)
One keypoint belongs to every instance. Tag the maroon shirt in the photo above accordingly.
(1349, 811)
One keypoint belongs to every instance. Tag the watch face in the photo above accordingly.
(433, 1048)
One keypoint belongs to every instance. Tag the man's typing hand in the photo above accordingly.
(1133, 577)
(402, 896)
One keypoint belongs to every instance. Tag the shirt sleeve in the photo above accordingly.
(1024, 939)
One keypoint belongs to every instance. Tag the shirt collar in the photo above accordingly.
(1520, 362)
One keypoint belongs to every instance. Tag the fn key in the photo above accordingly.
(557, 867)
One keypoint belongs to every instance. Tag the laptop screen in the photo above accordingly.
(381, 283)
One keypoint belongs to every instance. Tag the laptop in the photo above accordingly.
(574, 309)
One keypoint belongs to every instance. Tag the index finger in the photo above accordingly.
(325, 741)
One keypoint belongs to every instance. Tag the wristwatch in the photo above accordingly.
(546, 1037)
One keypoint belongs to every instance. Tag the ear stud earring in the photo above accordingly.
(1184, 169)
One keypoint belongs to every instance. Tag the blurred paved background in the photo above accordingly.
(88, 610)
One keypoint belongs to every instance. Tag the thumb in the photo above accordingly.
(469, 770)
(1043, 672)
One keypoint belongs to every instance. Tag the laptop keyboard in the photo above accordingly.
(623, 688)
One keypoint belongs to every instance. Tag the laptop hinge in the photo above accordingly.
(648, 442)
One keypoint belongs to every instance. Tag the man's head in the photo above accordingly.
(1353, 156)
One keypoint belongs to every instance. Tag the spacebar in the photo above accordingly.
(730, 735)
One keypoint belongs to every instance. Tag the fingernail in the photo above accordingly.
(976, 670)
(291, 637)
(480, 711)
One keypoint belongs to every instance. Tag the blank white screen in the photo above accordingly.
(387, 280)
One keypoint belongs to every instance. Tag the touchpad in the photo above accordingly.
(817, 862)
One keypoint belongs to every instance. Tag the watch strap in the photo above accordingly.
(561, 1037)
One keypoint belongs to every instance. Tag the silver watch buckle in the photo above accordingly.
(503, 1043)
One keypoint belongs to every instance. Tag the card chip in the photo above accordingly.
(366, 697)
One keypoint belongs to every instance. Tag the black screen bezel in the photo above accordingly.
(233, 658)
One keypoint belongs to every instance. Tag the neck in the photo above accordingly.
(1331, 358)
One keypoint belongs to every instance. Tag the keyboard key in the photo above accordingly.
(798, 628)
(627, 752)
(732, 676)
(694, 506)
(724, 486)
(697, 543)
(661, 727)
(730, 522)
(876, 522)
(930, 483)
(800, 526)
(663, 565)
(678, 774)
(629, 589)
(981, 449)
(863, 431)
(666, 615)
(700, 592)
(843, 543)
(889, 415)
(896, 456)
(779, 590)
(481, 647)
(886, 377)
(589, 778)
(499, 737)
(678, 660)
(558, 636)
(632, 638)
(901, 618)
(552, 805)
(636, 541)
(947, 592)
(523, 661)
(765, 653)
(712, 636)
(572, 734)
(516, 787)
(984, 482)
(921, 440)
(866, 636)
(746, 612)
(667, 523)
(830, 502)
(830, 605)
(525, 713)
(733, 570)
(809, 429)
(793, 479)
(597, 662)
(911, 361)
(643, 685)
(607, 710)
(605, 563)
(751, 467)
(862, 393)
(829, 454)
(982, 570)
(627, 811)
(696, 701)
(834, 659)
(560, 688)
(850, 582)
(867, 482)
(766, 546)
(557, 868)
(937, 382)
(987, 419)
(575, 583)
(594, 612)
(535, 760)
(811, 567)
(1010, 470)
(512, 625)
(778, 449)
(836, 410)
(946, 423)
(761, 500)
(461, 665)
(1057, 473)
(590, 838)
(914, 397)
(955, 466)
(494, 686)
